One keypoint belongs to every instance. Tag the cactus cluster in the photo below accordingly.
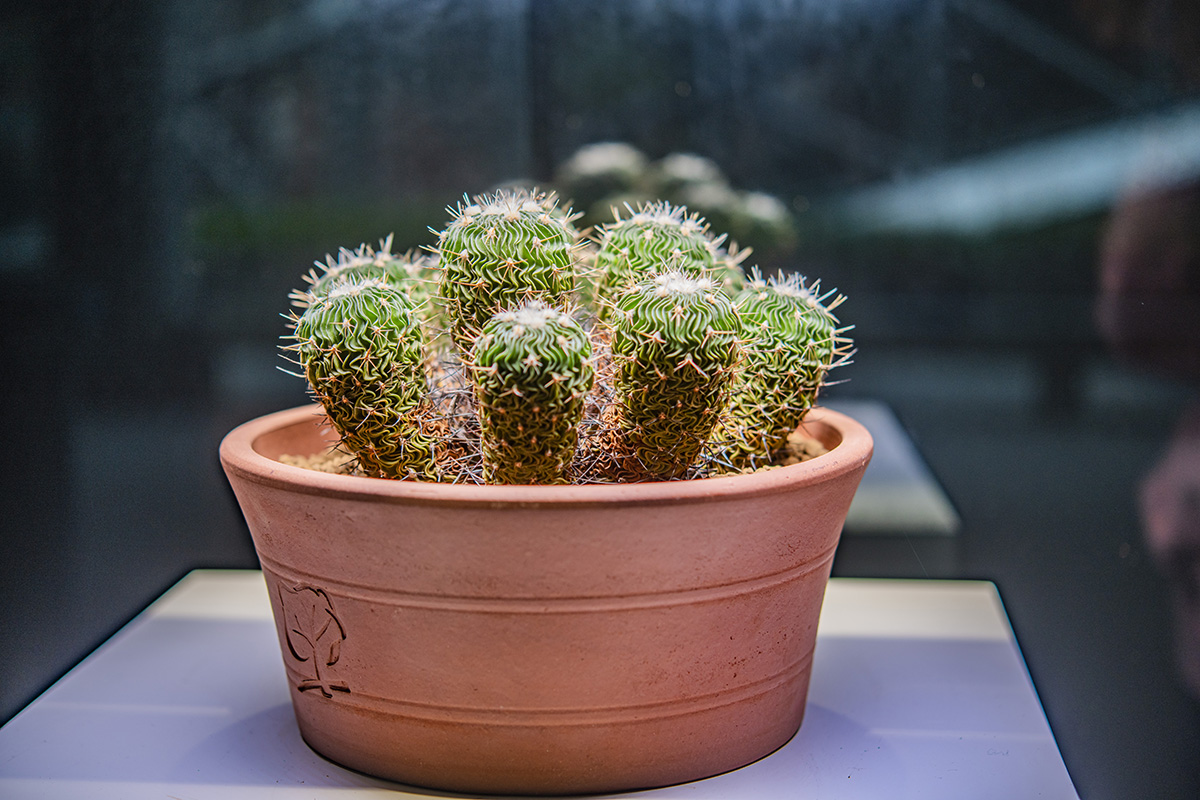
(604, 177)
(521, 351)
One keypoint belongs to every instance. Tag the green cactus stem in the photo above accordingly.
(792, 340)
(532, 369)
(652, 238)
(360, 346)
(675, 341)
(500, 250)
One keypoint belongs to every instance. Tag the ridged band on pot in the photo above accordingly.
(544, 639)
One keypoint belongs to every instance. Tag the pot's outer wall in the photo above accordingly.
(544, 640)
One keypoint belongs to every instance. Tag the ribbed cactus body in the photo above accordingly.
(675, 341)
(532, 370)
(655, 237)
(500, 250)
(791, 342)
(360, 346)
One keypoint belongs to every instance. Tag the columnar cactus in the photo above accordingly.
(500, 250)
(532, 370)
(675, 341)
(654, 237)
(792, 340)
(360, 346)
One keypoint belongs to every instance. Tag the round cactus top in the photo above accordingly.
(509, 207)
(408, 271)
(532, 315)
(658, 232)
(790, 296)
(675, 310)
(355, 311)
(535, 339)
(669, 284)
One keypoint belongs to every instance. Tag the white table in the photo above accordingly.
(899, 494)
(918, 691)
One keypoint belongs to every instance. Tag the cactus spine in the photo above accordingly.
(675, 342)
(532, 370)
(792, 340)
(360, 346)
(500, 250)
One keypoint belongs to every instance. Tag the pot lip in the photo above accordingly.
(239, 457)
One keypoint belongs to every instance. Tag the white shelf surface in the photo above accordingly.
(899, 494)
(918, 691)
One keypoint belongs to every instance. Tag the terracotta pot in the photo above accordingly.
(538, 639)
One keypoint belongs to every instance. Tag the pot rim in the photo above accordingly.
(240, 456)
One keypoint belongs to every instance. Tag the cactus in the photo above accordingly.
(676, 172)
(500, 250)
(598, 172)
(675, 341)
(653, 238)
(792, 340)
(532, 370)
(411, 272)
(360, 346)
(665, 377)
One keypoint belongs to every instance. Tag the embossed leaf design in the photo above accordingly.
(313, 633)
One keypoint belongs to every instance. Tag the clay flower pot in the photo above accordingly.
(544, 639)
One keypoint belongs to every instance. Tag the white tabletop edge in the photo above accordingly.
(215, 594)
(871, 607)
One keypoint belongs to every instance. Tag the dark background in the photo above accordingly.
(1006, 189)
